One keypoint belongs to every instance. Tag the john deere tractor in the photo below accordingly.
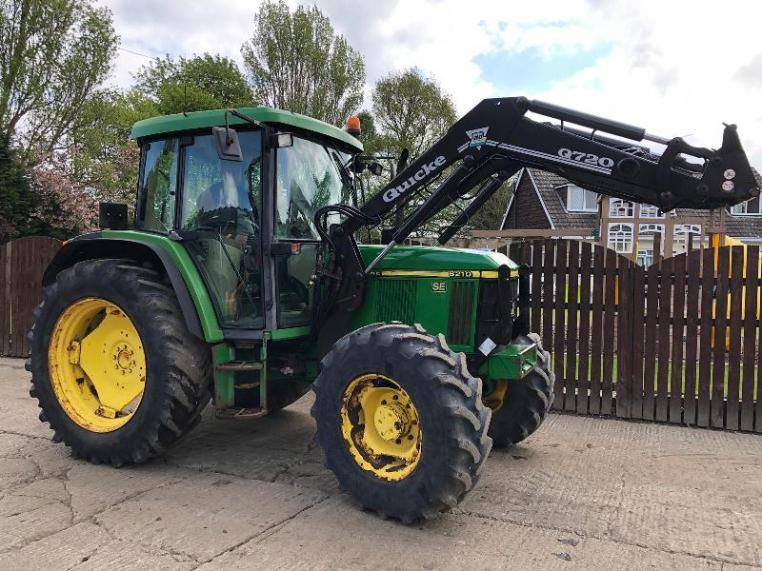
(245, 282)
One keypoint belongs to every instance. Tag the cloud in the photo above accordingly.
(677, 69)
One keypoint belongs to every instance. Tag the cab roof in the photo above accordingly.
(194, 120)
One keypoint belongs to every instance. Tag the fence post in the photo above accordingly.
(5, 297)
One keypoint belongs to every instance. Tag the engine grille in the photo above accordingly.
(496, 315)
(459, 325)
(396, 300)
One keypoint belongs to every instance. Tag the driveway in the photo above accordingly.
(583, 493)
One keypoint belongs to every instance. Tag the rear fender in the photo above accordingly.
(97, 246)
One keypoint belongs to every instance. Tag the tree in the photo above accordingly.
(297, 62)
(53, 55)
(64, 205)
(193, 84)
(101, 155)
(370, 137)
(490, 215)
(411, 111)
(16, 200)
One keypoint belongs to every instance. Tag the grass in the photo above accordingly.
(615, 375)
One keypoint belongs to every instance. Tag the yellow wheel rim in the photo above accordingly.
(381, 427)
(97, 364)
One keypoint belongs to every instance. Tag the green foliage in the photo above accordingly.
(16, 200)
(411, 111)
(298, 63)
(490, 215)
(53, 55)
(101, 155)
(193, 84)
(370, 137)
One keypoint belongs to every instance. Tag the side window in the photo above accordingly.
(159, 185)
(308, 177)
(220, 206)
(221, 195)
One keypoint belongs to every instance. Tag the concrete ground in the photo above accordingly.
(582, 493)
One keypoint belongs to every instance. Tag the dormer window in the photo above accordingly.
(580, 200)
(752, 207)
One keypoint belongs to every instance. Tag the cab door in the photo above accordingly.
(220, 223)
(308, 176)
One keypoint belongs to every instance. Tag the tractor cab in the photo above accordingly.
(245, 216)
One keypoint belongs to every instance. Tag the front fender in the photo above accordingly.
(190, 290)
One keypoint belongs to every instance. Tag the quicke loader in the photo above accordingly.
(244, 283)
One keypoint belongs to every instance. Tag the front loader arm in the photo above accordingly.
(498, 130)
(496, 139)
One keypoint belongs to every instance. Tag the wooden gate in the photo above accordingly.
(22, 264)
(677, 342)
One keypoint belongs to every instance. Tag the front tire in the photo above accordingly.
(108, 331)
(426, 443)
(525, 404)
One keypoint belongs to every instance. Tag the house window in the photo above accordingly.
(620, 238)
(645, 257)
(650, 211)
(650, 229)
(619, 208)
(682, 230)
(580, 200)
(749, 208)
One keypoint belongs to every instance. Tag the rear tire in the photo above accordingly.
(526, 402)
(446, 399)
(178, 365)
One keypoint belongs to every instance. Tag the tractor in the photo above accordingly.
(244, 281)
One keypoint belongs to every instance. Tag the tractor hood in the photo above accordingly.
(430, 258)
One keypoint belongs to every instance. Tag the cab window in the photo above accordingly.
(158, 185)
(309, 176)
(220, 222)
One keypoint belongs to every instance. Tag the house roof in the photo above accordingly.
(547, 184)
(736, 225)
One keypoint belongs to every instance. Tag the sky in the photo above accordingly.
(676, 68)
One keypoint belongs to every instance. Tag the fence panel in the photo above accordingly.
(705, 340)
(693, 279)
(22, 264)
(5, 296)
(676, 266)
(583, 384)
(596, 337)
(750, 319)
(734, 340)
(559, 321)
(677, 342)
(572, 314)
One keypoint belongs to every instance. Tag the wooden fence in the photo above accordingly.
(22, 263)
(677, 342)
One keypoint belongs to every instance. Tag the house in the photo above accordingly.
(547, 202)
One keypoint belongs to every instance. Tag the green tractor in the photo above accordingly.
(243, 283)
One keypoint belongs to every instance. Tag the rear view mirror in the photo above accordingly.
(283, 140)
(228, 147)
(112, 216)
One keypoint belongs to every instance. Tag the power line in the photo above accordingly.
(129, 51)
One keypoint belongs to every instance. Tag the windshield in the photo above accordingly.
(309, 176)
